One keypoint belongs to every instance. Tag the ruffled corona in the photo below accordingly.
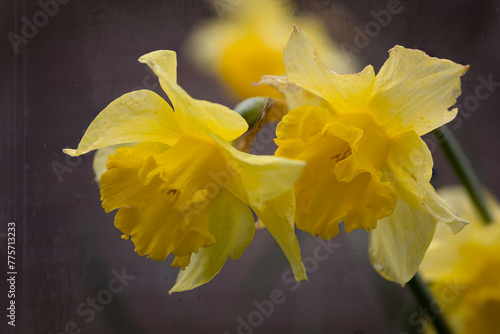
(366, 163)
(337, 169)
(183, 189)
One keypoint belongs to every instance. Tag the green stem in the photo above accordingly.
(463, 169)
(425, 298)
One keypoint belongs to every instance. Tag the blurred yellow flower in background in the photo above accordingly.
(183, 189)
(249, 43)
(366, 163)
(464, 269)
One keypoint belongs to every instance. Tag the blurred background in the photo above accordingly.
(63, 62)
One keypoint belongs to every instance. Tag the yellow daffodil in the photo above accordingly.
(366, 163)
(248, 42)
(464, 269)
(183, 189)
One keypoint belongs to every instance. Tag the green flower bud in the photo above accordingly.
(251, 109)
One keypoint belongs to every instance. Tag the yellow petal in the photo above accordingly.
(195, 116)
(444, 253)
(356, 196)
(441, 210)
(414, 91)
(346, 93)
(134, 117)
(249, 43)
(258, 178)
(295, 96)
(409, 169)
(265, 184)
(359, 202)
(245, 61)
(463, 268)
(124, 166)
(368, 141)
(181, 261)
(398, 244)
(148, 212)
(333, 54)
(205, 44)
(263, 13)
(101, 159)
(485, 319)
(246, 45)
(232, 223)
(191, 167)
(298, 126)
(277, 215)
(458, 198)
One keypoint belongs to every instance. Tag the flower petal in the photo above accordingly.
(249, 43)
(265, 184)
(258, 178)
(295, 96)
(414, 91)
(195, 116)
(398, 244)
(444, 253)
(134, 117)
(468, 264)
(191, 168)
(232, 223)
(246, 60)
(277, 215)
(409, 169)
(369, 147)
(148, 211)
(357, 196)
(346, 93)
(205, 44)
(298, 126)
(101, 159)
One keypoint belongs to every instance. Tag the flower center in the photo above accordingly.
(342, 178)
(164, 195)
(341, 156)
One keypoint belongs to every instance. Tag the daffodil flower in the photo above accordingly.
(183, 189)
(366, 163)
(464, 270)
(249, 43)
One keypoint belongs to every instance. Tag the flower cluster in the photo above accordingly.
(349, 150)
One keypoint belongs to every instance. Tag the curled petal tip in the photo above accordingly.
(69, 151)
